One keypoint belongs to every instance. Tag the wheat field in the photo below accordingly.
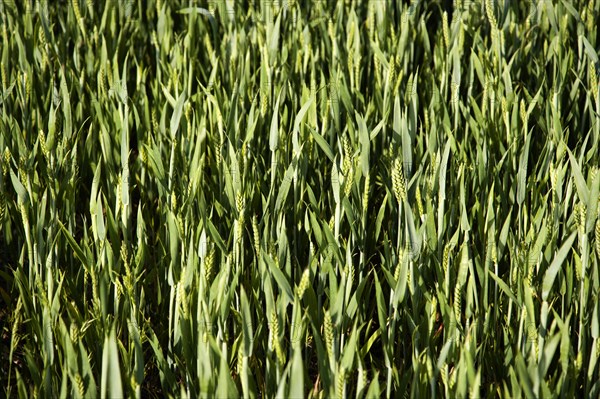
(299, 198)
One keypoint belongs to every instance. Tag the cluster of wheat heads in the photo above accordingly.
(307, 198)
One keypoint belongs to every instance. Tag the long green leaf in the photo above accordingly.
(556, 265)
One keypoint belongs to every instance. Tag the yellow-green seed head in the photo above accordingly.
(367, 188)
(183, 301)
(27, 84)
(328, 331)
(523, 112)
(173, 201)
(124, 254)
(444, 375)
(593, 80)
(419, 201)
(504, 106)
(244, 155)
(42, 38)
(42, 138)
(118, 289)
(399, 264)
(457, 302)
(256, 235)
(2, 207)
(591, 22)
(79, 384)
(582, 217)
(330, 29)
(341, 377)
(452, 381)
(218, 155)
(489, 9)
(144, 156)
(484, 98)
(553, 176)
(209, 262)
(597, 237)
(264, 102)
(392, 71)
(239, 202)
(275, 338)
(304, 282)
(347, 155)
(240, 360)
(398, 183)
(446, 29)
(377, 65)
(4, 76)
(348, 180)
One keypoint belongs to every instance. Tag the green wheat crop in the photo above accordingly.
(308, 198)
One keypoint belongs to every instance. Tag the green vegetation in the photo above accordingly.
(299, 198)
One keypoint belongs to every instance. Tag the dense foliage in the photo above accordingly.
(299, 198)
